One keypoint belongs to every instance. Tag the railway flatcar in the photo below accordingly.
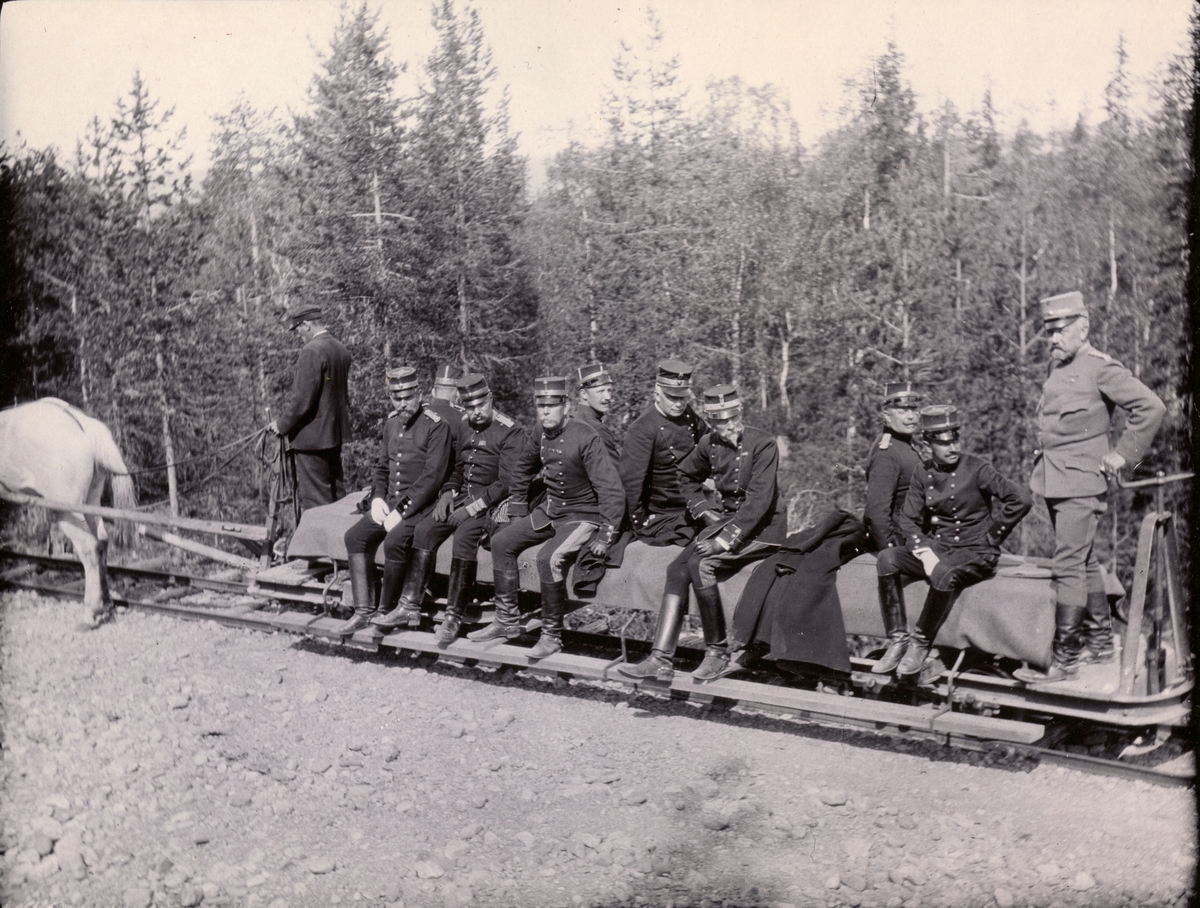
(997, 625)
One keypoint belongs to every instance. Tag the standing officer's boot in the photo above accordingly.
(360, 588)
(504, 625)
(554, 606)
(933, 616)
(1097, 630)
(407, 612)
(1067, 644)
(462, 578)
(716, 645)
(658, 664)
(895, 623)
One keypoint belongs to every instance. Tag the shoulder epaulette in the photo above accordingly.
(431, 414)
(504, 420)
(1104, 356)
(885, 441)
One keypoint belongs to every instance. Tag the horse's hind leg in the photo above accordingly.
(87, 550)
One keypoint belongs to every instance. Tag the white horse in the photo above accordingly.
(53, 450)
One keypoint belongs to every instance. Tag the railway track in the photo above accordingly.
(888, 712)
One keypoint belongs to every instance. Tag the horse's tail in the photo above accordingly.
(108, 456)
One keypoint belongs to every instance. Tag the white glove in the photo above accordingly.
(392, 520)
(928, 560)
(379, 510)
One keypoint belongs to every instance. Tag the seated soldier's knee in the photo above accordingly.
(888, 561)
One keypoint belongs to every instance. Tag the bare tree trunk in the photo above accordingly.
(736, 321)
(1023, 277)
(785, 362)
(168, 446)
(866, 209)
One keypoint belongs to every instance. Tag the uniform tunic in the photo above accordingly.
(584, 500)
(655, 445)
(1073, 417)
(316, 419)
(485, 460)
(414, 462)
(963, 513)
(590, 417)
(890, 466)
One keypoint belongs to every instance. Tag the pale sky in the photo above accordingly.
(1046, 61)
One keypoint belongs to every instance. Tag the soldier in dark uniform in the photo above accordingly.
(1083, 387)
(655, 444)
(744, 523)
(443, 398)
(487, 449)
(957, 513)
(890, 466)
(595, 400)
(584, 506)
(414, 461)
(316, 419)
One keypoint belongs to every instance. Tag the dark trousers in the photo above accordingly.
(555, 559)
(467, 535)
(957, 568)
(701, 571)
(319, 477)
(366, 535)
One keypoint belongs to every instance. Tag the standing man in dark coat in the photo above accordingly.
(890, 466)
(316, 419)
(595, 400)
(443, 398)
(584, 506)
(414, 461)
(655, 444)
(1083, 387)
(744, 523)
(957, 513)
(487, 451)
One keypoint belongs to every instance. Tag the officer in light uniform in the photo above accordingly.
(595, 400)
(414, 461)
(957, 513)
(743, 521)
(1083, 387)
(890, 466)
(584, 506)
(655, 444)
(487, 449)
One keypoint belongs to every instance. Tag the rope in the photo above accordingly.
(191, 460)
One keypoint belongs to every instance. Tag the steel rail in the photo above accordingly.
(421, 644)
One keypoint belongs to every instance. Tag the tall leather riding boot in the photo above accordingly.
(666, 636)
(360, 569)
(1097, 630)
(554, 606)
(933, 615)
(504, 626)
(408, 610)
(1067, 644)
(895, 622)
(462, 578)
(716, 644)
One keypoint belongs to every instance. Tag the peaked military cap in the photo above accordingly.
(550, 389)
(402, 378)
(302, 312)
(674, 377)
(1058, 310)
(447, 376)
(722, 402)
(593, 375)
(901, 394)
(939, 419)
(472, 388)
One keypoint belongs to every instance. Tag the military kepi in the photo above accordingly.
(722, 402)
(302, 312)
(1058, 310)
(939, 420)
(674, 377)
(550, 389)
(593, 375)
(402, 378)
(901, 394)
(447, 376)
(472, 388)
